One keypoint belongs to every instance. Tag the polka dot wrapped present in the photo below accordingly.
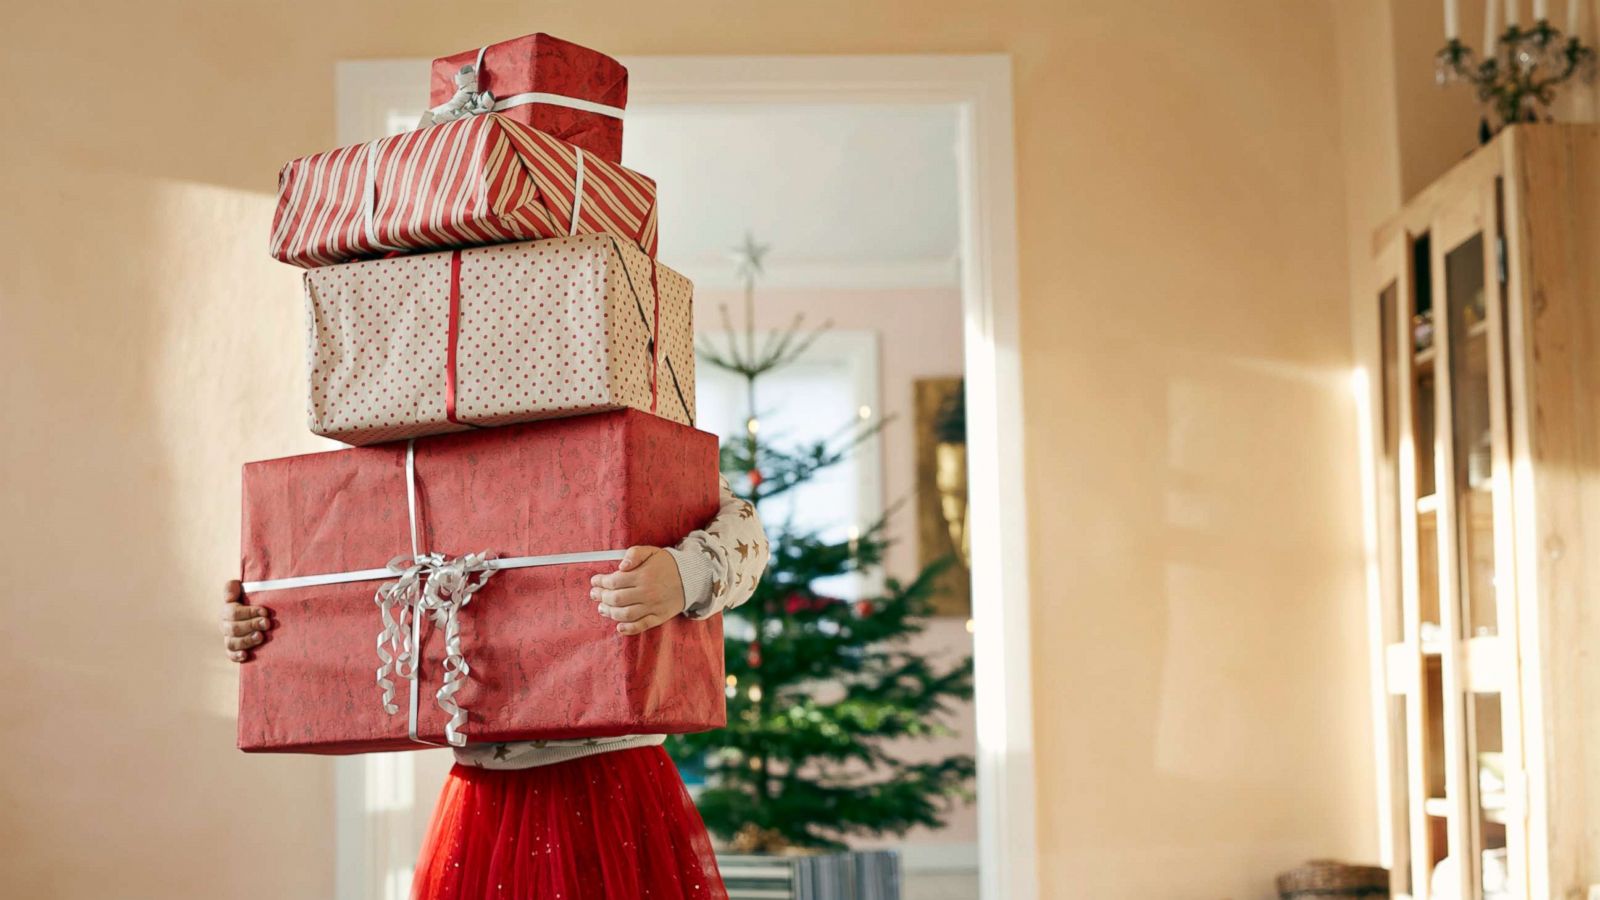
(442, 342)
(436, 591)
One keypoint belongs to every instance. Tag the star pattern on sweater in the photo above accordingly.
(501, 751)
(743, 550)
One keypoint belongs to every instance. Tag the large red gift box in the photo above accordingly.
(556, 86)
(473, 181)
(542, 663)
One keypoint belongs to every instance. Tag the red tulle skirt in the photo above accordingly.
(613, 826)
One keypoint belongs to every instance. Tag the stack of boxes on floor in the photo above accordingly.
(488, 325)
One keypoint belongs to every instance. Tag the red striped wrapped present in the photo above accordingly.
(479, 180)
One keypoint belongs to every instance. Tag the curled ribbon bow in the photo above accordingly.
(467, 100)
(428, 587)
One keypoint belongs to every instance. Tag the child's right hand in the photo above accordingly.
(243, 627)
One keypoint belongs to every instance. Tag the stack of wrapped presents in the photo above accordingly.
(487, 325)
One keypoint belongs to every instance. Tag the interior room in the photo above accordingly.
(996, 450)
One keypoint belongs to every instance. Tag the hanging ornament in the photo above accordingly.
(752, 838)
(752, 658)
(795, 604)
(756, 478)
(864, 608)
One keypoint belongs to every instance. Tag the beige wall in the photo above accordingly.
(1197, 650)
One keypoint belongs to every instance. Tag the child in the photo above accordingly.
(605, 819)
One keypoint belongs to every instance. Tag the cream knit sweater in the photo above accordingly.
(720, 566)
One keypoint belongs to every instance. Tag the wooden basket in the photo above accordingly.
(1328, 878)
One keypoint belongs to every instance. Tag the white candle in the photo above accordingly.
(1452, 20)
(1573, 11)
(1541, 10)
(1511, 13)
(1491, 29)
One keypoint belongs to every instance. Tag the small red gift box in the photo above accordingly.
(558, 87)
(466, 183)
(526, 657)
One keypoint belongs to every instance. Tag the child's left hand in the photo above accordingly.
(644, 592)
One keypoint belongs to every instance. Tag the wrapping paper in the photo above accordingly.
(466, 183)
(429, 344)
(544, 664)
(539, 63)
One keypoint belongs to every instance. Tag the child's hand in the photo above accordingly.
(243, 627)
(643, 592)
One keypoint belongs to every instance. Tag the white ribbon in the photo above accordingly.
(469, 101)
(432, 587)
(436, 589)
(369, 198)
(577, 194)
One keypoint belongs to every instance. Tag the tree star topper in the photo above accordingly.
(751, 257)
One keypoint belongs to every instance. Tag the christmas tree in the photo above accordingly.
(819, 689)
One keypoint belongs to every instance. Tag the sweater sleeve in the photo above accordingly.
(721, 564)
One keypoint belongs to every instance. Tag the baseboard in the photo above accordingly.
(929, 858)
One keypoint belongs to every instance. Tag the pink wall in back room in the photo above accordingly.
(919, 336)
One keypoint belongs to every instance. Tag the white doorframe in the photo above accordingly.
(979, 86)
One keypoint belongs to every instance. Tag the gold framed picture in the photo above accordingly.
(940, 430)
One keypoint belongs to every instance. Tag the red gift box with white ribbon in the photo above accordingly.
(564, 90)
(441, 342)
(436, 592)
(477, 180)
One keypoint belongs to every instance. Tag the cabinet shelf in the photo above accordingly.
(1440, 808)
(1422, 360)
(1486, 658)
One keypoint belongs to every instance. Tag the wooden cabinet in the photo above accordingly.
(1484, 399)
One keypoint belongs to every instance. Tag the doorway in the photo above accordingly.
(837, 107)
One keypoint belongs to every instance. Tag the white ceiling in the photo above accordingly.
(856, 196)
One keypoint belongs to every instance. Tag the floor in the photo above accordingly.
(941, 886)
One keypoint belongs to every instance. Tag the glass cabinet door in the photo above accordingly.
(1472, 435)
(1411, 593)
(1414, 354)
(1473, 483)
(1449, 620)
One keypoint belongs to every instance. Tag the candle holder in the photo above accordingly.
(1517, 81)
